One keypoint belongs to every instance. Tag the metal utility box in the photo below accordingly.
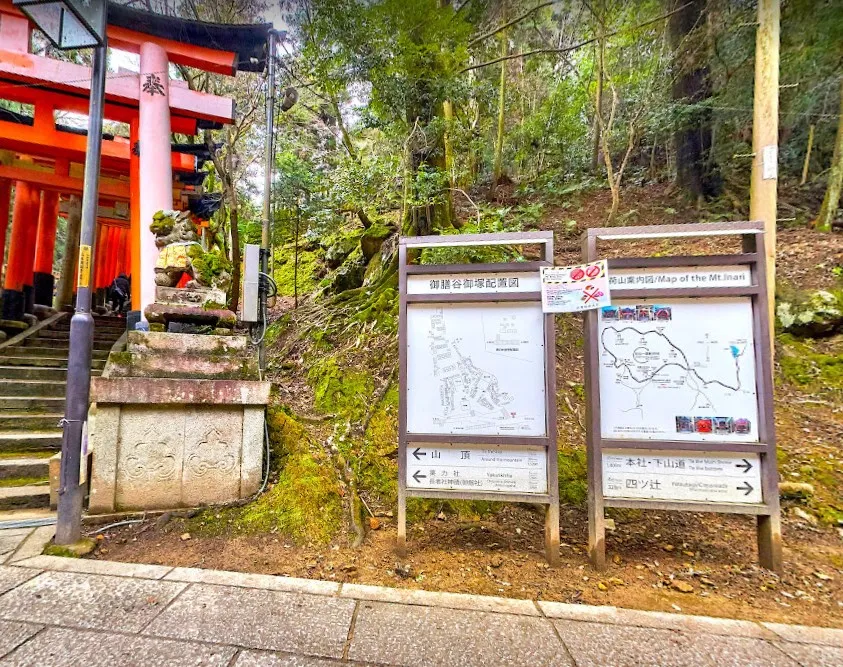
(251, 277)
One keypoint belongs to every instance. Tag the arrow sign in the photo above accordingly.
(746, 486)
(418, 476)
(746, 466)
(418, 453)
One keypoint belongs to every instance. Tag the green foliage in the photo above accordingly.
(338, 389)
(285, 274)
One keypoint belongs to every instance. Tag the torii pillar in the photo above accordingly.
(5, 201)
(156, 172)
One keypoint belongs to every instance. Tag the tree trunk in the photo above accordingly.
(807, 163)
(691, 86)
(598, 105)
(498, 168)
(831, 201)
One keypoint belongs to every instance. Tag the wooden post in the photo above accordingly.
(64, 292)
(765, 133)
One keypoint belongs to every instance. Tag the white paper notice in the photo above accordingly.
(572, 289)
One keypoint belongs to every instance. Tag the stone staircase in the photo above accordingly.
(33, 377)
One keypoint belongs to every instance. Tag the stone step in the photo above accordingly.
(55, 352)
(28, 421)
(25, 466)
(63, 344)
(53, 405)
(44, 362)
(13, 497)
(24, 373)
(24, 441)
(65, 338)
(33, 388)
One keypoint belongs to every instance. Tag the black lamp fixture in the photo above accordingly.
(68, 24)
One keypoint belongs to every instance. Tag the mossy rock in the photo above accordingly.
(339, 246)
(813, 314)
(349, 275)
(373, 238)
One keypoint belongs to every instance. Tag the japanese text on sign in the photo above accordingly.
(480, 283)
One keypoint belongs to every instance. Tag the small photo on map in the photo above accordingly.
(742, 426)
(662, 313)
(703, 425)
(644, 313)
(723, 425)
(610, 313)
(627, 313)
(684, 425)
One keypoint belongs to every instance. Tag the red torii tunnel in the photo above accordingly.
(41, 161)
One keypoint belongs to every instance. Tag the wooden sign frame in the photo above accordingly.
(405, 439)
(753, 256)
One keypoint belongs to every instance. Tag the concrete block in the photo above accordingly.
(104, 440)
(88, 601)
(421, 636)
(84, 566)
(807, 634)
(251, 467)
(271, 620)
(195, 575)
(597, 645)
(211, 449)
(70, 648)
(434, 599)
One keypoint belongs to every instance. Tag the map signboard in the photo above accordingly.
(476, 369)
(678, 381)
(678, 369)
(477, 467)
(698, 476)
(477, 387)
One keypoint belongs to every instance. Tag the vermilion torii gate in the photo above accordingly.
(42, 162)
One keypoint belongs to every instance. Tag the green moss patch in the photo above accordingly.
(814, 366)
(10, 482)
(310, 268)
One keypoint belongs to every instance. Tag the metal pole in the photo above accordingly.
(69, 521)
(267, 185)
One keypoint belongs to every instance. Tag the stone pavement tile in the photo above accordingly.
(14, 576)
(88, 600)
(196, 575)
(84, 566)
(34, 543)
(62, 647)
(13, 634)
(814, 655)
(599, 645)
(265, 659)
(10, 539)
(655, 619)
(434, 599)
(409, 635)
(807, 634)
(273, 620)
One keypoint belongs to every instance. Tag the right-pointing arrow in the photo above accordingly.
(746, 466)
(746, 486)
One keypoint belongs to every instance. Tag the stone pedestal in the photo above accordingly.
(179, 423)
(200, 308)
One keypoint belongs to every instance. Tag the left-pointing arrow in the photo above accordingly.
(418, 453)
(747, 487)
(418, 476)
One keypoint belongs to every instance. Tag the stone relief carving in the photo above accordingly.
(152, 458)
(212, 453)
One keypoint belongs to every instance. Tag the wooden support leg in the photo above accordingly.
(596, 532)
(551, 534)
(770, 542)
(401, 544)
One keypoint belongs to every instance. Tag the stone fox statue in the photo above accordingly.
(180, 252)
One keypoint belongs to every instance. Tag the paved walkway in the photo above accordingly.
(61, 611)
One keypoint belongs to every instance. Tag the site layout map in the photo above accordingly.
(682, 369)
(476, 369)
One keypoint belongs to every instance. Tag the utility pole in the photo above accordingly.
(765, 139)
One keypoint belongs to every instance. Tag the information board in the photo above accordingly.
(699, 476)
(678, 369)
(477, 467)
(476, 369)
